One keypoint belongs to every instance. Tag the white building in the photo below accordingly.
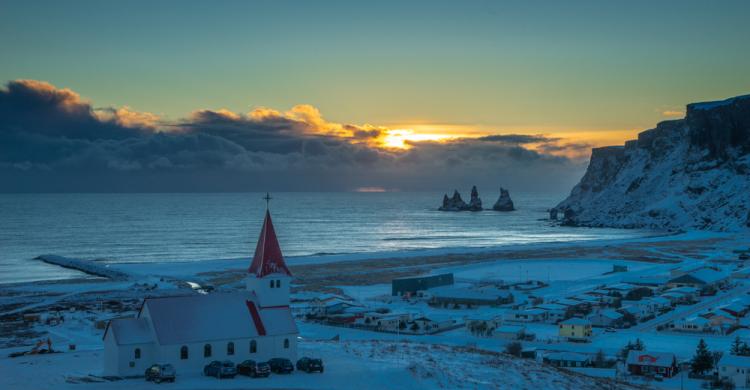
(736, 369)
(191, 331)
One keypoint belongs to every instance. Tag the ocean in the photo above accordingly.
(121, 228)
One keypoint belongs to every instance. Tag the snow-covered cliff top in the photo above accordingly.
(691, 173)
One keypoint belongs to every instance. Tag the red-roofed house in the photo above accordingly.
(651, 363)
(193, 330)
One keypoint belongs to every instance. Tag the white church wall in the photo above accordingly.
(267, 295)
(267, 347)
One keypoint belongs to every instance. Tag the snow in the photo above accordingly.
(734, 360)
(544, 270)
(130, 331)
(366, 359)
(665, 180)
(194, 318)
(717, 103)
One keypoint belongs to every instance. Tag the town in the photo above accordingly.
(659, 317)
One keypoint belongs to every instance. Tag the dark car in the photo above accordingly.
(220, 370)
(281, 365)
(254, 369)
(160, 373)
(310, 364)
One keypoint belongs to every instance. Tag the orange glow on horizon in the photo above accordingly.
(399, 138)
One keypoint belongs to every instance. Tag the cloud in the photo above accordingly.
(53, 140)
(673, 113)
(518, 139)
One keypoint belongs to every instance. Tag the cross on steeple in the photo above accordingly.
(268, 199)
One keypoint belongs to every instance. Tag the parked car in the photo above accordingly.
(160, 373)
(281, 365)
(254, 369)
(225, 369)
(308, 364)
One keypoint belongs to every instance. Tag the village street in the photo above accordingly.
(687, 311)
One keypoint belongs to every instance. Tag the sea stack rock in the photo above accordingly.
(453, 204)
(475, 204)
(504, 202)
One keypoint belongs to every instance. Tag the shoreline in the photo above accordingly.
(322, 271)
(86, 275)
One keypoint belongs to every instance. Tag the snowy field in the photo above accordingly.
(544, 270)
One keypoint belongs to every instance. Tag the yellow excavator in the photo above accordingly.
(39, 348)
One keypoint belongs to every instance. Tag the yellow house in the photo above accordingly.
(575, 329)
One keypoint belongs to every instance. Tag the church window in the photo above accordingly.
(253, 346)
(278, 283)
(184, 352)
(137, 353)
(286, 343)
(207, 350)
(230, 348)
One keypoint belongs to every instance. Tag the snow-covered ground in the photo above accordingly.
(362, 358)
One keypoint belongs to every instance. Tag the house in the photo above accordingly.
(410, 286)
(424, 325)
(721, 322)
(651, 363)
(567, 359)
(509, 332)
(698, 279)
(604, 296)
(554, 311)
(590, 300)
(575, 329)
(460, 296)
(607, 318)
(330, 306)
(683, 294)
(692, 324)
(191, 331)
(636, 311)
(391, 322)
(735, 309)
(735, 369)
(483, 325)
(527, 315)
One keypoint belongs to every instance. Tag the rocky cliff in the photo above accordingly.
(504, 202)
(692, 173)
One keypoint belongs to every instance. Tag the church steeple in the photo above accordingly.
(268, 276)
(268, 258)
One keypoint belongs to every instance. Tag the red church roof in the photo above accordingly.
(268, 258)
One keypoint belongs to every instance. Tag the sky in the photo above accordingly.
(421, 95)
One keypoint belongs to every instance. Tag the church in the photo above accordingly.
(191, 331)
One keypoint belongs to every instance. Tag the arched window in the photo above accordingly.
(207, 350)
(184, 352)
(271, 283)
(278, 283)
(230, 348)
(137, 353)
(286, 343)
(253, 346)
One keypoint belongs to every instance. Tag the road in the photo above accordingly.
(687, 311)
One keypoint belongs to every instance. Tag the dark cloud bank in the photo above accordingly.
(53, 141)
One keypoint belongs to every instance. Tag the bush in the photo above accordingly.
(514, 348)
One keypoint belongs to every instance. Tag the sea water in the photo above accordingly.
(193, 227)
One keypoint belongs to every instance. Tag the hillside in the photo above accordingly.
(691, 173)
